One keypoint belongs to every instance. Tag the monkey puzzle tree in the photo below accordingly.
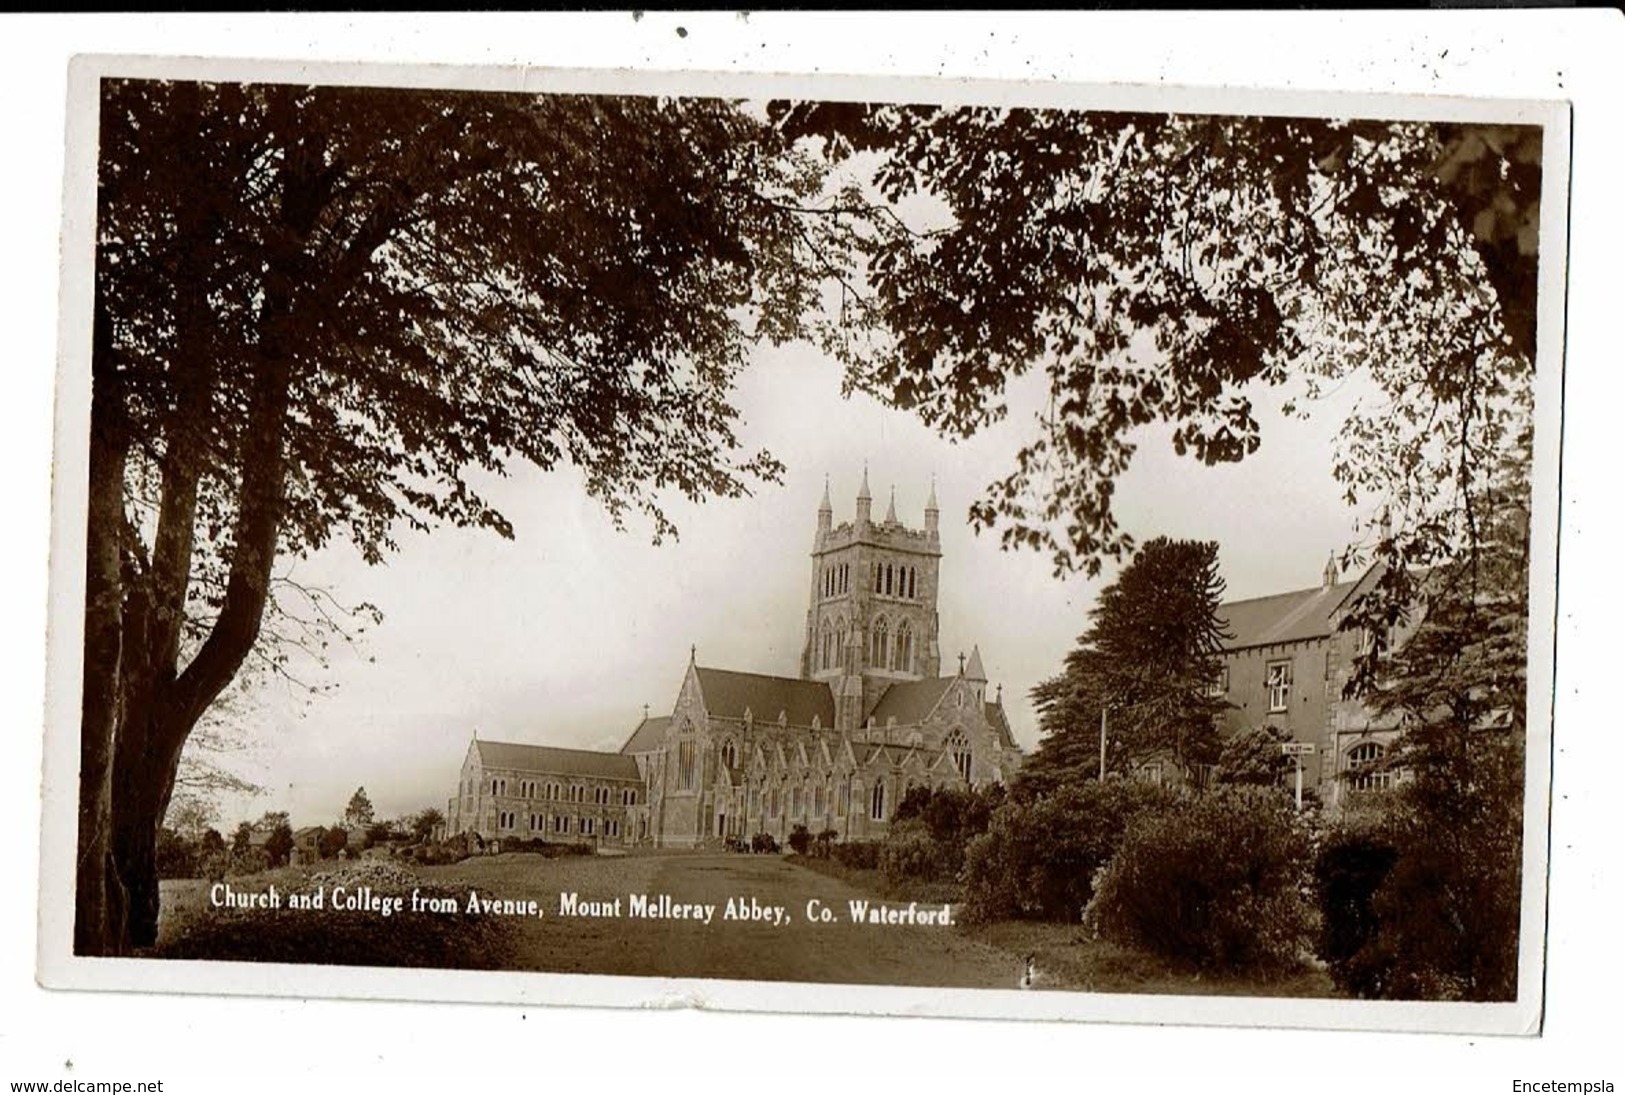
(1149, 659)
(319, 310)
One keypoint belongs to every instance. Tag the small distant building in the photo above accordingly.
(307, 845)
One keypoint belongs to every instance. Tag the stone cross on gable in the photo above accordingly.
(961, 663)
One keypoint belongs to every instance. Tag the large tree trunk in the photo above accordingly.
(99, 914)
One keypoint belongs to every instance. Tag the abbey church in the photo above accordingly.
(868, 715)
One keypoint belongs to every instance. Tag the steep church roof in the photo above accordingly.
(729, 694)
(1287, 617)
(647, 737)
(910, 701)
(1000, 724)
(563, 762)
(973, 669)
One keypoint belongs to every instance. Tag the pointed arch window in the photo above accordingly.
(959, 752)
(913, 576)
(686, 774)
(877, 801)
(903, 648)
(877, 650)
(888, 579)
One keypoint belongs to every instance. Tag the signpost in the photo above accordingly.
(1297, 750)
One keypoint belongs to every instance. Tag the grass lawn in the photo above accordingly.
(794, 948)
(1067, 958)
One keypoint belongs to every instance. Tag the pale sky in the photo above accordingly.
(561, 635)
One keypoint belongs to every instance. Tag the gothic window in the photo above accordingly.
(846, 577)
(685, 765)
(913, 579)
(877, 652)
(827, 643)
(730, 754)
(795, 802)
(959, 751)
(903, 655)
(888, 579)
(773, 803)
(818, 800)
(877, 802)
(629, 797)
(844, 798)
(880, 578)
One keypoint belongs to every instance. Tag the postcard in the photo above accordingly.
(838, 544)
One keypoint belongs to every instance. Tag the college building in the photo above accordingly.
(1285, 667)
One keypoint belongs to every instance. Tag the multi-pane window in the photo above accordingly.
(1220, 683)
(877, 802)
(586, 826)
(1278, 682)
(629, 797)
(1363, 764)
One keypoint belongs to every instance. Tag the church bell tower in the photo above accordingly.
(872, 609)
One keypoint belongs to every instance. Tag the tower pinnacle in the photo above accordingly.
(891, 508)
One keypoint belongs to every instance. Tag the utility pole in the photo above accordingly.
(1103, 708)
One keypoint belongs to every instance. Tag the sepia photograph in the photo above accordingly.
(839, 545)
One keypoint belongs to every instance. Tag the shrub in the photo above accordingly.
(800, 839)
(1038, 858)
(249, 861)
(1210, 883)
(909, 852)
(1351, 866)
(1416, 909)
(552, 849)
(860, 855)
(215, 866)
(331, 842)
(175, 856)
(824, 842)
